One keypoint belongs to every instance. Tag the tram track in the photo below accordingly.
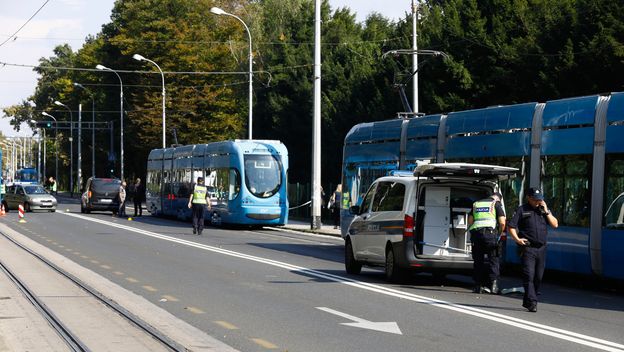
(72, 340)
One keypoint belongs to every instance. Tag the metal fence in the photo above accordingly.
(301, 193)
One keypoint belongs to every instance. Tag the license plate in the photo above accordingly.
(106, 200)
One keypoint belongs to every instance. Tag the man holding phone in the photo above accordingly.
(528, 227)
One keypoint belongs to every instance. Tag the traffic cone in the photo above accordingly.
(20, 214)
(2, 212)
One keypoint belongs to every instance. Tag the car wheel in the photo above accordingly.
(27, 207)
(352, 266)
(392, 270)
(6, 207)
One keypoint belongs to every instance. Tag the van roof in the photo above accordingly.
(480, 171)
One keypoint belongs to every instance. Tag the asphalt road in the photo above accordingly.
(272, 290)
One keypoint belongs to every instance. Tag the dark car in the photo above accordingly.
(101, 194)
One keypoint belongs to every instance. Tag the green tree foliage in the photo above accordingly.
(499, 52)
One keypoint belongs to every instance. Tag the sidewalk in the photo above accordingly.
(304, 226)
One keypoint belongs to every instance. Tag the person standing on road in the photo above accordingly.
(122, 200)
(197, 202)
(487, 222)
(137, 197)
(334, 204)
(53, 186)
(529, 229)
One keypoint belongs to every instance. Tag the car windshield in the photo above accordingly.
(34, 190)
(106, 185)
(263, 175)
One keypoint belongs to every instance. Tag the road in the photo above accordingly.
(273, 290)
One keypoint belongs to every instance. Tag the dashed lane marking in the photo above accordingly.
(264, 343)
(84, 257)
(131, 279)
(170, 298)
(103, 266)
(194, 310)
(118, 273)
(226, 325)
(150, 288)
(94, 261)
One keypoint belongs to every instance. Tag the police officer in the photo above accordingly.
(486, 221)
(197, 202)
(529, 228)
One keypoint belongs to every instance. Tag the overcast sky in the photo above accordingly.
(70, 21)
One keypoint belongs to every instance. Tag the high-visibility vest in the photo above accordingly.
(484, 214)
(199, 194)
(54, 186)
(2, 189)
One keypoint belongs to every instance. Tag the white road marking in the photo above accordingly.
(476, 312)
(390, 326)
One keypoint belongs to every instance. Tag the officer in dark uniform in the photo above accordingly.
(486, 221)
(529, 228)
(197, 202)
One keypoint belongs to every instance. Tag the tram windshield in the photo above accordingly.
(263, 175)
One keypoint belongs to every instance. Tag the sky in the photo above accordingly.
(70, 21)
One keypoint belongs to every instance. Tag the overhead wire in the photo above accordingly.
(25, 23)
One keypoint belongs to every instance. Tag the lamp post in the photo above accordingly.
(55, 143)
(71, 147)
(142, 58)
(92, 126)
(218, 11)
(104, 68)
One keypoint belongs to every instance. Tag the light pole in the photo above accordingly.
(104, 68)
(39, 166)
(218, 11)
(55, 143)
(71, 147)
(92, 126)
(141, 58)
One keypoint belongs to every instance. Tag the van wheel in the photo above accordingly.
(392, 270)
(352, 266)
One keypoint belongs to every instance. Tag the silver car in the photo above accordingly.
(32, 197)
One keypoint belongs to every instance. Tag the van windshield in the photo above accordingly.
(106, 185)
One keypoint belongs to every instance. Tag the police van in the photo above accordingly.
(419, 221)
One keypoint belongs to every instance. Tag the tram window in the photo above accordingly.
(235, 184)
(567, 188)
(614, 188)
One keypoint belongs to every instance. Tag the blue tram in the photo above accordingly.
(572, 148)
(246, 181)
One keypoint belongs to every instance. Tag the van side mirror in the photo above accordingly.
(354, 210)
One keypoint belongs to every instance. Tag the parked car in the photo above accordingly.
(31, 196)
(419, 221)
(100, 194)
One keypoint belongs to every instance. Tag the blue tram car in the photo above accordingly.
(572, 148)
(246, 181)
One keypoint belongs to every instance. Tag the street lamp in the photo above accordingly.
(71, 147)
(92, 126)
(141, 58)
(104, 68)
(55, 143)
(218, 11)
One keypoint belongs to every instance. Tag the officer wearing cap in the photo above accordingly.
(529, 228)
(486, 221)
(197, 202)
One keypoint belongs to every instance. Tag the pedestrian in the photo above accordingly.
(334, 204)
(529, 229)
(2, 189)
(53, 185)
(122, 200)
(487, 222)
(138, 193)
(197, 202)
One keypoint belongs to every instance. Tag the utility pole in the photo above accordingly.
(79, 147)
(415, 55)
(316, 134)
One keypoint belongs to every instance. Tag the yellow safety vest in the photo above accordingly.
(2, 189)
(199, 194)
(484, 214)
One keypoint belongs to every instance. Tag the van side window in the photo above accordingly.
(368, 199)
(389, 197)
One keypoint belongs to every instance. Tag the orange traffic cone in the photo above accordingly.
(2, 212)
